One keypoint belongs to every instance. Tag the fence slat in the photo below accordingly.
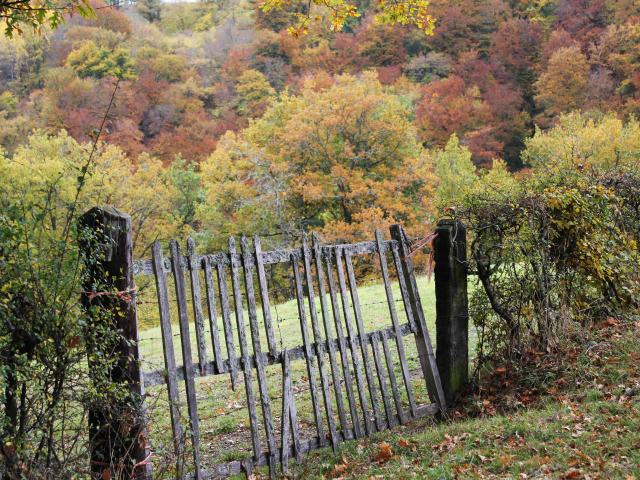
(196, 298)
(185, 340)
(324, 380)
(247, 366)
(404, 291)
(371, 381)
(308, 351)
(344, 354)
(396, 324)
(226, 321)
(213, 317)
(169, 354)
(289, 416)
(394, 383)
(382, 378)
(329, 336)
(257, 352)
(355, 355)
(425, 350)
(264, 298)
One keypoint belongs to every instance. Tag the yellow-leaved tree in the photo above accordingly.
(46, 169)
(340, 158)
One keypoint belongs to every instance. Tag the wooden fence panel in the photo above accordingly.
(365, 355)
(257, 352)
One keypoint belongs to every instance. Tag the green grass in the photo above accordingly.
(589, 429)
(223, 414)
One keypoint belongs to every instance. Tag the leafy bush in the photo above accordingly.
(558, 245)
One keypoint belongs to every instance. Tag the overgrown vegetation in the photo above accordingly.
(560, 244)
(220, 118)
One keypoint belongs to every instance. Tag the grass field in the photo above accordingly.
(224, 421)
(584, 425)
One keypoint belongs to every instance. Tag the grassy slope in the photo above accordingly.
(223, 414)
(583, 426)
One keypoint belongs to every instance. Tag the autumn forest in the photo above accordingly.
(211, 119)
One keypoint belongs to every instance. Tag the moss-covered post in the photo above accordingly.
(117, 427)
(452, 313)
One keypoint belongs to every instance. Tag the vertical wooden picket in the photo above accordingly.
(185, 340)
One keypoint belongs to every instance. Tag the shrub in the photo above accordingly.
(559, 245)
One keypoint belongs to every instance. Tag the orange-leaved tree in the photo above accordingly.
(341, 159)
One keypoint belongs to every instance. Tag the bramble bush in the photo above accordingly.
(557, 246)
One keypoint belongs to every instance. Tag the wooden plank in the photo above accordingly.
(264, 297)
(324, 380)
(382, 378)
(335, 373)
(247, 366)
(404, 291)
(219, 366)
(157, 377)
(308, 351)
(196, 299)
(396, 324)
(344, 355)
(185, 341)
(257, 350)
(226, 321)
(289, 416)
(394, 384)
(169, 356)
(371, 381)
(425, 350)
(355, 354)
(145, 267)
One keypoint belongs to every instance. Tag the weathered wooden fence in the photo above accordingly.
(338, 351)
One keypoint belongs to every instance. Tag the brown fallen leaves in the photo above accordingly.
(384, 453)
(339, 469)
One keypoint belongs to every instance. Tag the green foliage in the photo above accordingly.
(98, 62)
(560, 245)
(582, 143)
(149, 9)
(46, 387)
(187, 181)
(8, 104)
(254, 93)
(455, 171)
(38, 14)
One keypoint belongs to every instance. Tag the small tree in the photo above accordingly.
(149, 9)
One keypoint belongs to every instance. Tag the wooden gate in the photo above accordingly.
(339, 353)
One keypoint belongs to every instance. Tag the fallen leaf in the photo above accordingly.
(384, 452)
(403, 443)
(612, 322)
(505, 460)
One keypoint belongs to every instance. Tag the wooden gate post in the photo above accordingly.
(117, 427)
(452, 314)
